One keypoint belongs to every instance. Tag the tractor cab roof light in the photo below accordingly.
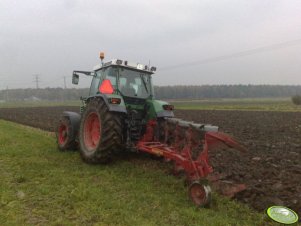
(140, 66)
(118, 62)
(101, 55)
(153, 68)
(131, 64)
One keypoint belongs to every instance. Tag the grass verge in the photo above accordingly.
(42, 186)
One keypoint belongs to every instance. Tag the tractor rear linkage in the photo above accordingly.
(187, 145)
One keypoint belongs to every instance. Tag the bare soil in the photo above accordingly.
(271, 168)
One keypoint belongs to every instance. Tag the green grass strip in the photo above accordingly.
(42, 186)
(238, 104)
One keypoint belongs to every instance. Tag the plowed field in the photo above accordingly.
(271, 168)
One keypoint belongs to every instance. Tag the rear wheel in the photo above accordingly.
(64, 134)
(100, 133)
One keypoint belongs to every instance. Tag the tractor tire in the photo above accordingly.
(100, 132)
(64, 135)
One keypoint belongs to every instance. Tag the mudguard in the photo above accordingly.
(75, 121)
(156, 110)
(112, 107)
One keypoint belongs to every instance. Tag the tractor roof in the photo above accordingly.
(126, 64)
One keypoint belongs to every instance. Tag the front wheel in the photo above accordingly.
(64, 134)
(100, 132)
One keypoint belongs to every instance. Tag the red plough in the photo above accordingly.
(187, 145)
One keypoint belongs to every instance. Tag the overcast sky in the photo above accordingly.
(53, 38)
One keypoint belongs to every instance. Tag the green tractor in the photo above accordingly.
(122, 114)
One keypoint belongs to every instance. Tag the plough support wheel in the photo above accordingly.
(200, 194)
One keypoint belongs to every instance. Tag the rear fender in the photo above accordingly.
(74, 120)
(112, 107)
(155, 110)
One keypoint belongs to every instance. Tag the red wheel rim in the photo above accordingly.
(92, 132)
(198, 194)
(63, 130)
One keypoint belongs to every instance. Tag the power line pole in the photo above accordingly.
(65, 82)
(37, 80)
(6, 93)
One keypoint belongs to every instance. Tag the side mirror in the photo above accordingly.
(75, 78)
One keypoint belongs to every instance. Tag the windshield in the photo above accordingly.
(134, 83)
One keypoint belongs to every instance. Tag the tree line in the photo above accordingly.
(162, 92)
(49, 94)
(226, 91)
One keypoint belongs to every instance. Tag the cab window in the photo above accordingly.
(106, 73)
(134, 83)
(111, 74)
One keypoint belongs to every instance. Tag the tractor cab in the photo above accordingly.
(122, 78)
(132, 82)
